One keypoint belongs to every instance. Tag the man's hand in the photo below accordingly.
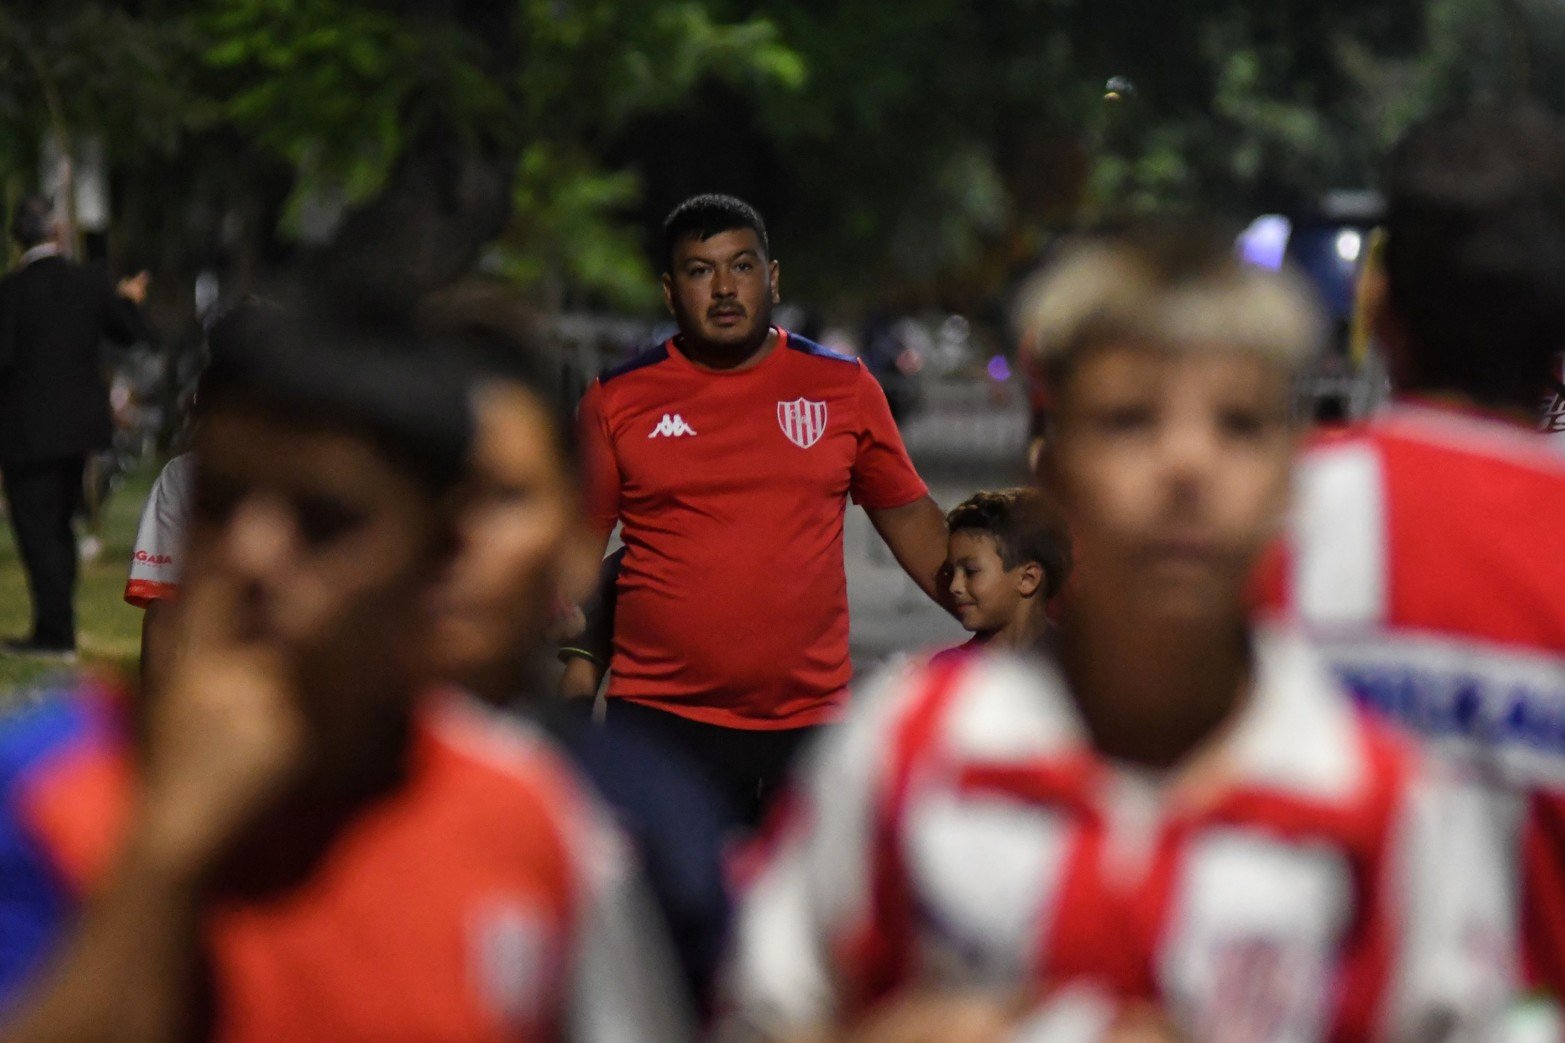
(134, 287)
(917, 535)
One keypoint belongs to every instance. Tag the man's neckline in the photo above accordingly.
(781, 343)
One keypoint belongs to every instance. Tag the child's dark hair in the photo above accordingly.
(497, 338)
(1025, 528)
(702, 217)
(385, 385)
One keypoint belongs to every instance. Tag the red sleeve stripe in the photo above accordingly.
(883, 948)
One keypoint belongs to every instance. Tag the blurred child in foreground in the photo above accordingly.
(299, 836)
(1172, 825)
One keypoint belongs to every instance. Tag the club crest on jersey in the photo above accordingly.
(802, 421)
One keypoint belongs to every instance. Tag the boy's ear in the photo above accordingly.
(1031, 579)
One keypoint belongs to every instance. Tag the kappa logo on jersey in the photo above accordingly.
(802, 421)
(672, 427)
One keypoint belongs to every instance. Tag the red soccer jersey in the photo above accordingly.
(1425, 561)
(484, 899)
(731, 487)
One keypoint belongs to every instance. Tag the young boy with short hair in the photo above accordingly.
(1008, 556)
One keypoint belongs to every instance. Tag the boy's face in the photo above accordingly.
(518, 537)
(985, 593)
(1173, 472)
(328, 546)
(721, 290)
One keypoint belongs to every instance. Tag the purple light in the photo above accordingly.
(1265, 242)
(999, 369)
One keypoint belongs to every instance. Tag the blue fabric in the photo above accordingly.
(679, 827)
(809, 347)
(651, 357)
(35, 906)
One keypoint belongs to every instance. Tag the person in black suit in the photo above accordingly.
(54, 409)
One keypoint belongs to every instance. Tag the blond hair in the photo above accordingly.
(1176, 290)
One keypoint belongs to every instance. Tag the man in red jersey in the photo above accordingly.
(1424, 552)
(727, 454)
(296, 837)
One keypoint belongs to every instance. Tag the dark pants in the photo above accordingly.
(745, 768)
(42, 497)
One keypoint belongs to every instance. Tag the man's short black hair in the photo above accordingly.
(1475, 251)
(32, 222)
(1025, 528)
(702, 217)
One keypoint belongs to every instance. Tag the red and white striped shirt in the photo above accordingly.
(961, 831)
(1424, 561)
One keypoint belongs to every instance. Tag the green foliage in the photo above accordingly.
(567, 239)
(920, 147)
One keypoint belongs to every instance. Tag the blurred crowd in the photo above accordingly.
(470, 711)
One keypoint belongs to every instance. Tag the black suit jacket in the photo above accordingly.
(54, 315)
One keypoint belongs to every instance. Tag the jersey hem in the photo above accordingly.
(142, 592)
(828, 713)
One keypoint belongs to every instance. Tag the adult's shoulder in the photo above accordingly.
(645, 359)
(811, 349)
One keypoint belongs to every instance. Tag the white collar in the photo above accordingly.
(35, 253)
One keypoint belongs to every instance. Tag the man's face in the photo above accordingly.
(329, 547)
(721, 290)
(518, 534)
(1173, 471)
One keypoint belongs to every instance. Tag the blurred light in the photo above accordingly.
(1349, 242)
(909, 362)
(999, 369)
(1265, 242)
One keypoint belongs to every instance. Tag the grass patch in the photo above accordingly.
(108, 630)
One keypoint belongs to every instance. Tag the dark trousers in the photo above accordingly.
(42, 498)
(745, 768)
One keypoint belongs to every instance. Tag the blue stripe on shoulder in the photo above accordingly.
(809, 347)
(35, 734)
(650, 357)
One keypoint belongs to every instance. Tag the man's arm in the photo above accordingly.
(123, 322)
(158, 643)
(916, 533)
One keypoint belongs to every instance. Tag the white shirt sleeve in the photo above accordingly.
(624, 986)
(815, 893)
(1452, 889)
(158, 557)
